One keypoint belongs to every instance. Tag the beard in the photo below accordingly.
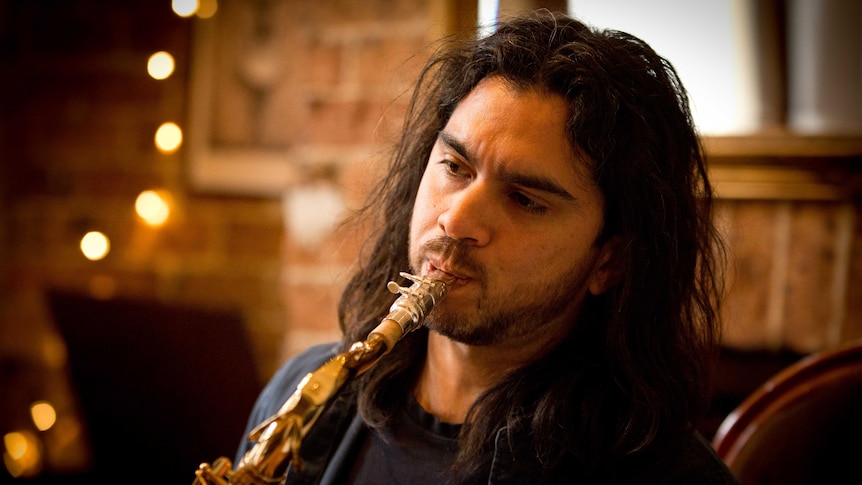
(493, 319)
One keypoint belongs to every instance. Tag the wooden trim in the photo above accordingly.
(784, 166)
(784, 145)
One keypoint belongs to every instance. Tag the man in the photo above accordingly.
(552, 176)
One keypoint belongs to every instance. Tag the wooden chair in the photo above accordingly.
(802, 426)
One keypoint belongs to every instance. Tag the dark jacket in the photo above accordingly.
(329, 445)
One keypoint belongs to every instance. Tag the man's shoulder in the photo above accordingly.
(698, 463)
(285, 380)
(295, 368)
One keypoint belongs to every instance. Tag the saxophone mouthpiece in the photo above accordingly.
(410, 309)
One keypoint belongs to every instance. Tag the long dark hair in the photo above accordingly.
(633, 372)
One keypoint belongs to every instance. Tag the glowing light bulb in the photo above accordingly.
(207, 8)
(16, 444)
(23, 457)
(184, 8)
(43, 414)
(95, 245)
(160, 65)
(152, 207)
(169, 137)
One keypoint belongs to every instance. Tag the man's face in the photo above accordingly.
(506, 207)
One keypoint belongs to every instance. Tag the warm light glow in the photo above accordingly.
(53, 351)
(152, 207)
(22, 456)
(184, 8)
(16, 444)
(160, 65)
(169, 137)
(103, 287)
(67, 431)
(95, 245)
(207, 8)
(43, 414)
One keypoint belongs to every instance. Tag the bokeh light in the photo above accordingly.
(22, 455)
(95, 245)
(160, 65)
(184, 8)
(102, 286)
(152, 207)
(169, 137)
(207, 8)
(43, 414)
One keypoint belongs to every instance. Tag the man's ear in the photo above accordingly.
(609, 268)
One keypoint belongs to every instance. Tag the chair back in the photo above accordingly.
(803, 425)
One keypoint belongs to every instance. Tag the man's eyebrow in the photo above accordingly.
(536, 182)
(454, 144)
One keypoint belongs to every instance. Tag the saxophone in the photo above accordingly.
(278, 438)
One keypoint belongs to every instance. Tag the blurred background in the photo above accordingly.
(174, 176)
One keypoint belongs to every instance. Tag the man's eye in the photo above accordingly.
(527, 203)
(452, 167)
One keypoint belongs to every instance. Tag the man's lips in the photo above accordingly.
(448, 276)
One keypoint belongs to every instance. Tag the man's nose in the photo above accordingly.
(468, 215)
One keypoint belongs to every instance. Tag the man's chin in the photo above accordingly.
(460, 331)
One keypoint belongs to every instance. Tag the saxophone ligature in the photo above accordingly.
(278, 439)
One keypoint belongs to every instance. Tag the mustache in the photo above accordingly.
(455, 254)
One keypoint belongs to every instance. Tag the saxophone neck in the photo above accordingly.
(410, 309)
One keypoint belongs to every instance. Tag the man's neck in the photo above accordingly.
(454, 375)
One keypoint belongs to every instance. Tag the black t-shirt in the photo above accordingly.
(414, 448)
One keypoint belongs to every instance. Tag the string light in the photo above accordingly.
(207, 8)
(169, 137)
(160, 65)
(184, 8)
(44, 415)
(22, 455)
(95, 245)
(152, 207)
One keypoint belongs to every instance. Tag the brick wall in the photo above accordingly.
(79, 115)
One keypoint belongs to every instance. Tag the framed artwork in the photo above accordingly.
(243, 119)
(269, 81)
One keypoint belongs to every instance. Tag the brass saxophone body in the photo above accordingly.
(278, 439)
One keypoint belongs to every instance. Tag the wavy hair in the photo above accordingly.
(634, 370)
